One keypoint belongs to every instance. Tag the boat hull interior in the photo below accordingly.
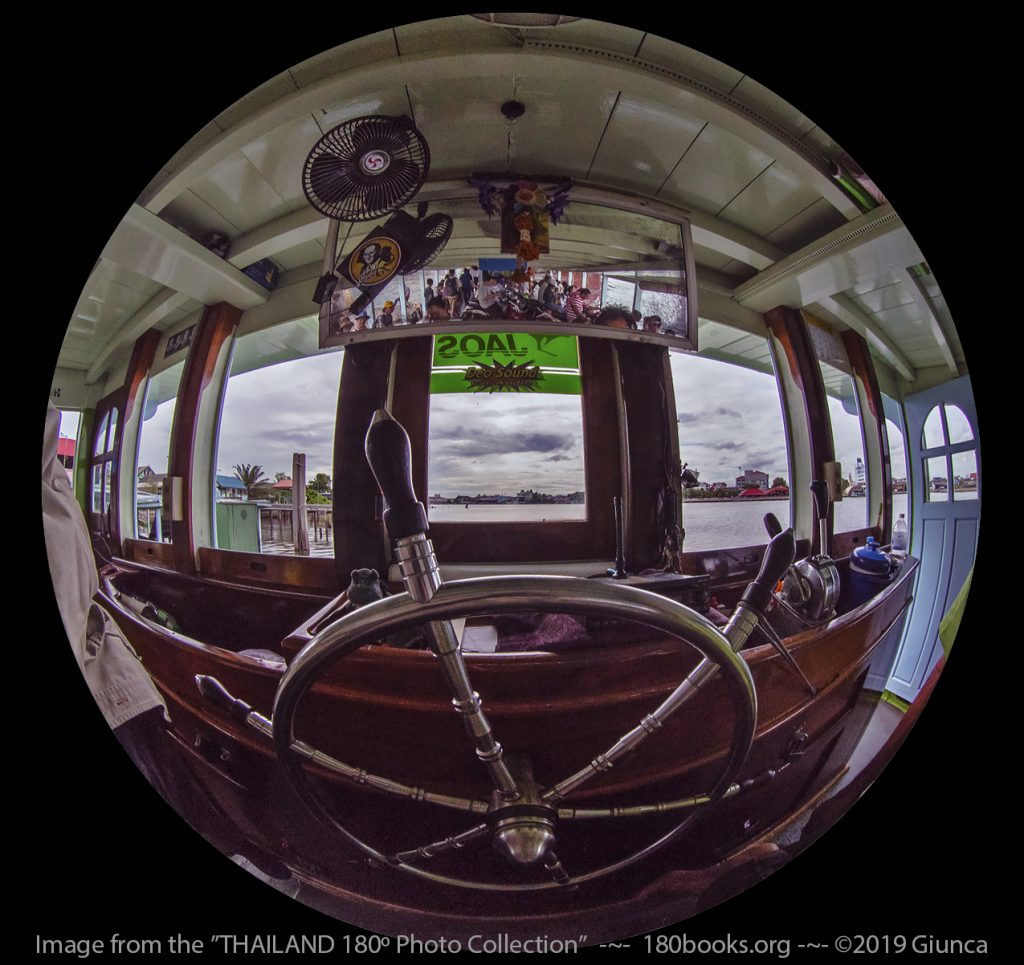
(752, 296)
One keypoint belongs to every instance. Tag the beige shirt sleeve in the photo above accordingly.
(115, 675)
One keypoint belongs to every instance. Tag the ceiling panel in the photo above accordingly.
(200, 140)
(462, 125)
(371, 100)
(772, 107)
(692, 63)
(191, 214)
(889, 296)
(304, 254)
(463, 32)
(562, 126)
(880, 280)
(280, 156)
(590, 33)
(768, 202)
(716, 168)
(239, 193)
(900, 317)
(348, 56)
(277, 87)
(801, 229)
(707, 258)
(642, 144)
(739, 271)
(820, 141)
(125, 278)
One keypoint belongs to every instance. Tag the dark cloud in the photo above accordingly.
(317, 435)
(688, 418)
(453, 442)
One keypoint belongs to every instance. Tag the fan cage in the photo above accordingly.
(337, 186)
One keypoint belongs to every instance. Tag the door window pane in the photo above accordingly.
(101, 436)
(936, 479)
(934, 437)
(965, 474)
(957, 424)
(112, 431)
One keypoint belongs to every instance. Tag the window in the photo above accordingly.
(851, 512)
(151, 521)
(731, 435)
(103, 458)
(281, 398)
(506, 429)
(950, 457)
(898, 465)
(67, 441)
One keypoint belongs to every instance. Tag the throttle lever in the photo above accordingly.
(777, 559)
(390, 457)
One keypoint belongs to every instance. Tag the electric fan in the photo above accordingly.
(434, 233)
(366, 167)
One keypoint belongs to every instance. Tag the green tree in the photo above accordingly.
(779, 481)
(321, 482)
(314, 497)
(250, 475)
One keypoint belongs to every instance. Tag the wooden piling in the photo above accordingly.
(299, 521)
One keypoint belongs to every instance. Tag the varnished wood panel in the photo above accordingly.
(789, 328)
(305, 574)
(358, 531)
(215, 328)
(864, 370)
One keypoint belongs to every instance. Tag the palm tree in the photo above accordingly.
(249, 475)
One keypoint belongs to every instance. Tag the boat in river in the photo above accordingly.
(639, 729)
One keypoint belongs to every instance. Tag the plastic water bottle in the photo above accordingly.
(900, 537)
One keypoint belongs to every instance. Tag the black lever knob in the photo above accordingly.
(777, 559)
(215, 692)
(390, 458)
(772, 524)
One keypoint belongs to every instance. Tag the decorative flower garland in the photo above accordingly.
(526, 201)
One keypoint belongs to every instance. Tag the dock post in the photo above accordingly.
(299, 522)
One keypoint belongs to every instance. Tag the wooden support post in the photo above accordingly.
(299, 529)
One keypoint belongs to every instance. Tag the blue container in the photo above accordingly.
(871, 570)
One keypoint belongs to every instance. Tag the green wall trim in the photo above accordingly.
(898, 702)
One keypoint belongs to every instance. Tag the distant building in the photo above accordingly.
(66, 452)
(752, 479)
(859, 475)
(230, 487)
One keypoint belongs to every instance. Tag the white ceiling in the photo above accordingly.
(609, 106)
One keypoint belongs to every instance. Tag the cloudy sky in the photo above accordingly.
(729, 418)
(504, 442)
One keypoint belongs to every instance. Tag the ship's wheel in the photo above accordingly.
(520, 818)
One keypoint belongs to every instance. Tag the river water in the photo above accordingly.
(709, 525)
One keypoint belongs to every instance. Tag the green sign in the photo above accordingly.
(506, 362)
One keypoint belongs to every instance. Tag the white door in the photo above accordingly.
(945, 479)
